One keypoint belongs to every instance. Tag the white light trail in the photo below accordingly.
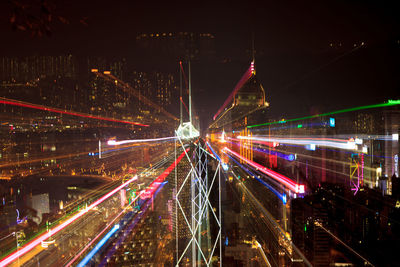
(116, 143)
(322, 142)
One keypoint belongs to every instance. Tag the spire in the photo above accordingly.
(190, 100)
(253, 54)
(253, 51)
(180, 91)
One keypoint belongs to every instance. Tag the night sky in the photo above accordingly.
(305, 53)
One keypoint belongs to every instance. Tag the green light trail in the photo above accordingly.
(387, 104)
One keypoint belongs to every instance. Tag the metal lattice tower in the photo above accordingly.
(195, 243)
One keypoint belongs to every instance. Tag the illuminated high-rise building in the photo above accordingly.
(157, 86)
(31, 68)
(180, 220)
(247, 97)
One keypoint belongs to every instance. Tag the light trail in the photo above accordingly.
(128, 230)
(98, 246)
(103, 188)
(58, 228)
(130, 90)
(64, 156)
(116, 143)
(149, 191)
(12, 102)
(297, 188)
(105, 228)
(184, 75)
(263, 253)
(270, 221)
(319, 224)
(225, 166)
(272, 189)
(323, 142)
(184, 105)
(212, 150)
(387, 104)
(246, 76)
(287, 155)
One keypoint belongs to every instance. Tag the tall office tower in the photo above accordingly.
(158, 86)
(28, 69)
(311, 239)
(181, 219)
(247, 97)
(46, 80)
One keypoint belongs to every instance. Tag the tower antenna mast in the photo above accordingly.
(180, 91)
(253, 51)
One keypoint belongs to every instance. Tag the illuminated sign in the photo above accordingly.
(332, 122)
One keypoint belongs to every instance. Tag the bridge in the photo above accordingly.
(250, 190)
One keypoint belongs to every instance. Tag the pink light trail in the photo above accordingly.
(28, 247)
(246, 76)
(297, 188)
(149, 191)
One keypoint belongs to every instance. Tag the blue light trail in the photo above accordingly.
(93, 252)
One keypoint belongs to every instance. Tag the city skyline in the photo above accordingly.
(199, 134)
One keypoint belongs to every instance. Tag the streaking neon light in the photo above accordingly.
(212, 150)
(29, 246)
(149, 191)
(90, 255)
(246, 76)
(184, 105)
(225, 166)
(289, 157)
(18, 219)
(387, 104)
(273, 190)
(362, 169)
(56, 110)
(297, 188)
(116, 143)
(310, 142)
(184, 76)
(94, 239)
(128, 230)
(223, 137)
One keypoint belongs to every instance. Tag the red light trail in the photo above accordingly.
(184, 75)
(149, 191)
(184, 105)
(56, 110)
